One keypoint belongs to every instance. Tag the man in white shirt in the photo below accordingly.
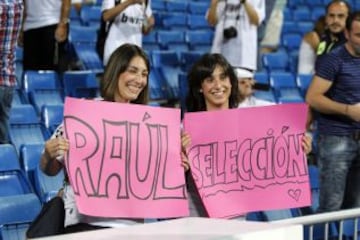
(246, 82)
(236, 25)
(45, 34)
(131, 19)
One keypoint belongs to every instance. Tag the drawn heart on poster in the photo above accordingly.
(294, 193)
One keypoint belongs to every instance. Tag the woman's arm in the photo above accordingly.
(52, 156)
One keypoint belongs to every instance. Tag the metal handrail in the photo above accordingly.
(326, 218)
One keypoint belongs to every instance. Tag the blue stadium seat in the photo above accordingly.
(157, 85)
(199, 40)
(12, 178)
(187, 59)
(262, 77)
(176, 6)
(43, 87)
(302, 14)
(19, 70)
(30, 158)
(19, 97)
(25, 126)
(198, 21)
(174, 21)
(349, 228)
(46, 186)
(19, 208)
(14, 231)
(74, 17)
(81, 84)
(168, 65)
(266, 95)
(294, 3)
(293, 61)
(289, 27)
(285, 87)
(311, 4)
(158, 5)
(88, 57)
(23, 114)
(83, 35)
(317, 12)
(272, 215)
(255, 216)
(291, 41)
(17, 212)
(287, 14)
(90, 15)
(314, 186)
(304, 27)
(183, 90)
(172, 40)
(51, 116)
(303, 82)
(276, 62)
(34, 80)
(150, 41)
(199, 8)
(19, 53)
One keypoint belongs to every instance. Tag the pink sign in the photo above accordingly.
(124, 159)
(249, 159)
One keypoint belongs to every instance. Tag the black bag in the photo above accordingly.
(102, 34)
(50, 220)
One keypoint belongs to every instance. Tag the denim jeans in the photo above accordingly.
(6, 97)
(339, 166)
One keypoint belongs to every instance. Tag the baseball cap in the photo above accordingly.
(243, 73)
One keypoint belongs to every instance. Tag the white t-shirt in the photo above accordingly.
(240, 51)
(254, 102)
(41, 13)
(307, 57)
(126, 28)
(83, 1)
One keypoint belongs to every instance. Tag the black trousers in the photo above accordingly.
(42, 52)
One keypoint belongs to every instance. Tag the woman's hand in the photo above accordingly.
(55, 148)
(185, 143)
(307, 144)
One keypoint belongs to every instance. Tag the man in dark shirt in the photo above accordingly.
(336, 14)
(335, 94)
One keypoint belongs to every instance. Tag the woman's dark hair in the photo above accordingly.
(202, 69)
(117, 64)
(320, 25)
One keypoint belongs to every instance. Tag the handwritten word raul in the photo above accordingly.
(136, 164)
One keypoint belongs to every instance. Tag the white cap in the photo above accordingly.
(243, 73)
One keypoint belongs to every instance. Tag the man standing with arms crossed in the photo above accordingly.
(335, 94)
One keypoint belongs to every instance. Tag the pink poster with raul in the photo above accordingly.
(249, 159)
(124, 159)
